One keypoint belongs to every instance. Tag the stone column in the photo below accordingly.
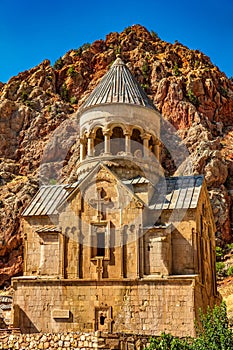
(25, 246)
(61, 255)
(127, 143)
(90, 145)
(107, 135)
(146, 138)
(157, 149)
(81, 150)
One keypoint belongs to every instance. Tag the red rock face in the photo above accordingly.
(189, 91)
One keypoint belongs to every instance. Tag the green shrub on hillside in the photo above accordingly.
(219, 252)
(193, 98)
(59, 63)
(168, 342)
(213, 333)
(154, 34)
(220, 266)
(230, 271)
(71, 72)
(176, 70)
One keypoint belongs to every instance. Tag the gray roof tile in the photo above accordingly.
(118, 86)
(46, 200)
(181, 192)
(178, 192)
(49, 229)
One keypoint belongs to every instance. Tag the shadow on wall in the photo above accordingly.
(3, 325)
(22, 321)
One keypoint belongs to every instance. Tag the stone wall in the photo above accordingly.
(140, 307)
(73, 341)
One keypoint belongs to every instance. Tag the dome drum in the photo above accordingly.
(119, 125)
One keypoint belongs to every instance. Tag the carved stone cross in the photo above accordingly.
(99, 269)
(101, 203)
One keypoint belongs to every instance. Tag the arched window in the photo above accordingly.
(99, 142)
(117, 140)
(152, 145)
(137, 143)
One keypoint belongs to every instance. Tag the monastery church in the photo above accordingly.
(124, 248)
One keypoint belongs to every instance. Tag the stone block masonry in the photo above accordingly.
(73, 341)
(144, 307)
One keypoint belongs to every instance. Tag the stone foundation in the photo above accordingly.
(137, 307)
(73, 341)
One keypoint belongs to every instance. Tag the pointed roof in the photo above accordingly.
(118, 86)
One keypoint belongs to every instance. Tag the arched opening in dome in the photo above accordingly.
(99, 142)
(117, 140)
(137, 143)
(152, 145)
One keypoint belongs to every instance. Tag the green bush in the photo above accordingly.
(145, 69)
(73, 100)
(59, 63)
(230, 246)
(82, 48)
(176, 70)
(118, 50)
(222, 91)
(145, 87)
(24, 96)
(71, 72)
(154, 34)
(230, 271)
(85, 46)
(213, 333)
(193, 98)
(219, 252)
(219, 266)
(128, 30)
(168, 342)
(64, 92)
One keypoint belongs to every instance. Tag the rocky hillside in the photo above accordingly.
(189, 91)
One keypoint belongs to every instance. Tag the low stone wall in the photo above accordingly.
(73, 341)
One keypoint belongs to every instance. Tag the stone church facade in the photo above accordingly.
(123, 249)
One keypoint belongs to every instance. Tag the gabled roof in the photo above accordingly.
(46, 200)
(89, 178)
(178, 192)
(118, 86)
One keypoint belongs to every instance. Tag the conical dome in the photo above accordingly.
(118, 86)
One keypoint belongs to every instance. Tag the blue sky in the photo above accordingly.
(31, 31)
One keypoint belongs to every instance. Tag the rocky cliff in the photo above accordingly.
(189, 91)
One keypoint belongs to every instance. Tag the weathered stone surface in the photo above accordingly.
(185, 86)
(97, 259)
(104, 341)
